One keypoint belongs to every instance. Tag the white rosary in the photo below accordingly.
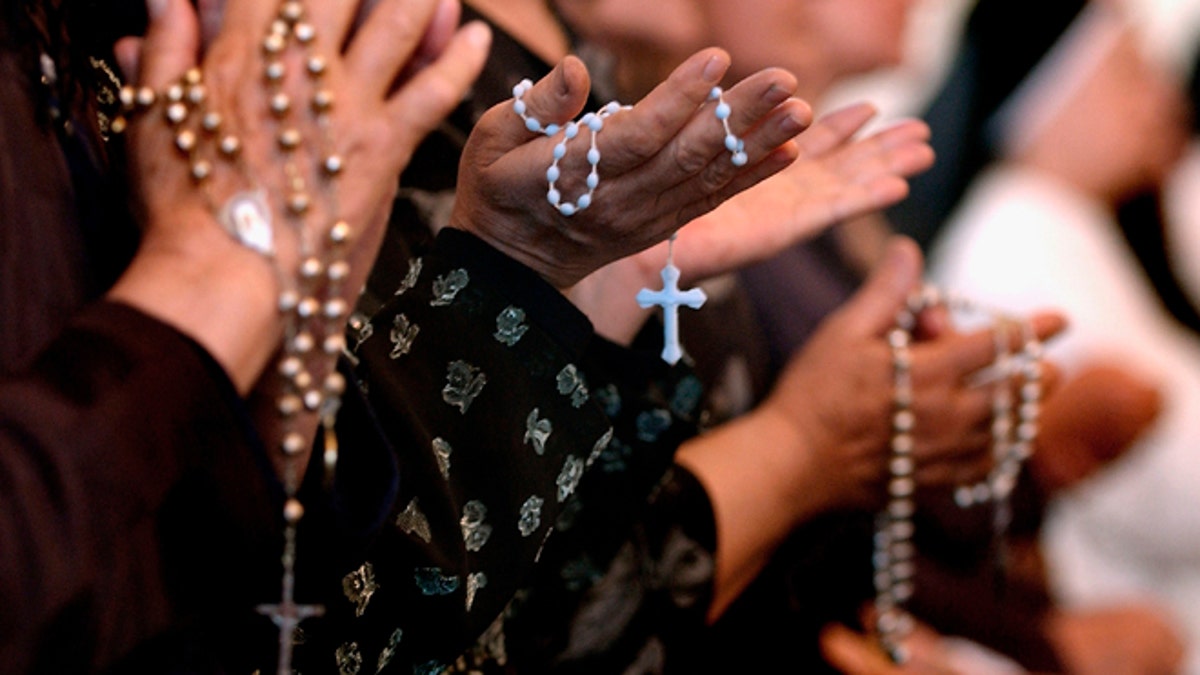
(669, 297)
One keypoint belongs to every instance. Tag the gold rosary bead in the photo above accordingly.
(273, 44)
(290, 366)
(291, 11)
(293, 511)
(311, 268)
(304, 32)
(201, 170)
(145, 97)
(176, 113)
(302, 343)
(313, 399)
(332, 165)
(275, 71)
(335, 384)
(316, 65)
(127, 95)
(288, 300)
(280, 104)
(340, 232)
(293, 443)
(334, 344)
(322, 101)
(289, 405)
(230, 146)
(186, 140)
(174, 93)
(307, 307)
(211, 122)
(299, 203)
(289, 139)
(118, 124)
(193, 76)
(197, 94)
(335, 308)
(338, 270)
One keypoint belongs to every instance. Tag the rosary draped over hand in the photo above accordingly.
(670, 297)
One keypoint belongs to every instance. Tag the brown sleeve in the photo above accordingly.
(126, 466)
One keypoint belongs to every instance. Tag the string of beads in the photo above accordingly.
(594, 123)
(310, 303)
(894, 553)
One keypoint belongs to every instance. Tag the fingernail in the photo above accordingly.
(478, 34)
(714, 69)
(156, 8)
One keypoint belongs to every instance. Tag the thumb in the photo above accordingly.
(171, 44)
(872, 310)
(555, 99)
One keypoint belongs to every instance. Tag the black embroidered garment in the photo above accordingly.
(536, 514)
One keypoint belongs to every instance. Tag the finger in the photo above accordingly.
(852, 653)
(778, 160)
(422, 102)
(555, 99)
(764, 116)
(644, 130)
(783, 123)
(128, 52)
(171, 44)
(872, 310)
(834, 129)
(386, 41)
(440, 31)
(248, 17)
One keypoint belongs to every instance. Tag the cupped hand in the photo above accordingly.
(837, 393)
(663, 163)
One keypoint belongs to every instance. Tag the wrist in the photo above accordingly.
(212, 289)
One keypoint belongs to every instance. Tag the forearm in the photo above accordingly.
(756, 501)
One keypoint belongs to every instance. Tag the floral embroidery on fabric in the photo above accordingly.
(361, 328)
(688, 393)
(389, 650)
(410, 279)
(463, 384)
(475, 581)
(429, 668)
(531, 516)
(432, 581)
(402, 335)
(568, 478)
(537, 431)
(510, 325)
(652, 423)
(571, 383)
(609, 399)
(359, 586)
(441, 451)
(412, 521)
(614, 458)
(599, 447)
(475, 531)
(349, 660)
(447, 286)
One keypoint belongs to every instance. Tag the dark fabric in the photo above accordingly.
(134, 498)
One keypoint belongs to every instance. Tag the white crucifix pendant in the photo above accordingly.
(670, 298)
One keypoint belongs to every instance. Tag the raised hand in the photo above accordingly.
(837, 176)
(194, 275)
(663, 162)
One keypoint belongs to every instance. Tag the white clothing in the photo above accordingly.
(1022, 241)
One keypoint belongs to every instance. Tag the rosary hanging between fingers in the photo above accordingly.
(670, 297)
(894, 558)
